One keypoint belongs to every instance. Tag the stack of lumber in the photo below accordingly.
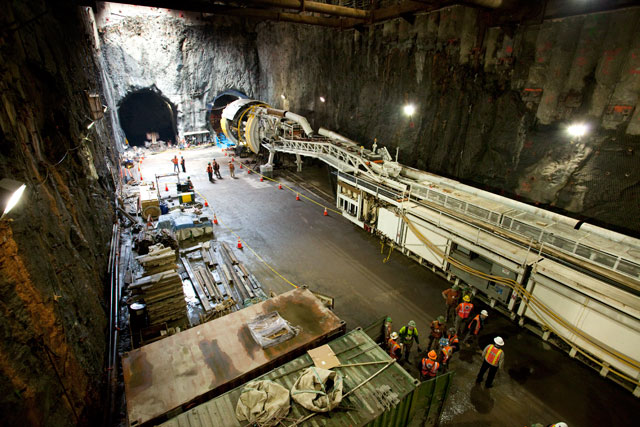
(159, 259)
(232, 275)
(161, 286)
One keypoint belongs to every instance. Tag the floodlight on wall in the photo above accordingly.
(577, 130)
(10, 193)
(322, 99)
(283, 97)
(409, 109)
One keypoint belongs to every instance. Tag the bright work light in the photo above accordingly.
(10, 193)
(409, 109)
(577, 130)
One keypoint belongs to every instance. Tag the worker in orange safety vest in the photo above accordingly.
(210, 172)
(492, 359)
(429, 366)
(474, 327)
(463, 311)
(395, 349)
(444, 355)
(454, 342)
(176, 168)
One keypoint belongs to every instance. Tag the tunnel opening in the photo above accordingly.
(146, 116)
(214, 109)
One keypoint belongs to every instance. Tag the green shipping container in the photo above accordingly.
(392, 398)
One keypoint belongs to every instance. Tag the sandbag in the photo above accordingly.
(318, 390)
(263, 403)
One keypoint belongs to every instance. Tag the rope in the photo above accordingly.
(535, 305)
(250, 248)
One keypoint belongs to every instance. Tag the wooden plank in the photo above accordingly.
(206, 304)
(230, 254)
(245, 272)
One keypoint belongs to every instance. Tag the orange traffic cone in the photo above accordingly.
(206, 204)
(239, 244)
(297, 196)
(325, 212)
(248, 171)
(261, 179)
(215, 219)
(232, 159)
(240, 165)
(225, 154)
(166, 187)
(280, 186)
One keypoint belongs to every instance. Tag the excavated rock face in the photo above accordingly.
(492, 104)
(53, 254)
(187, 63)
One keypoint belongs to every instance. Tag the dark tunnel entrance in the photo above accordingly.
(146, 111)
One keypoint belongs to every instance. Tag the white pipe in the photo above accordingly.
(301, 121)
(331, 134)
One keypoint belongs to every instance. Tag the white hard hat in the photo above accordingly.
(484, 313)
(394, 335)
(560, 424)
(499, 341)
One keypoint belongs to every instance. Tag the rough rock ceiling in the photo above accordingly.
(358, 13)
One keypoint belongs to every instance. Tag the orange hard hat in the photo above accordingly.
(432, 355)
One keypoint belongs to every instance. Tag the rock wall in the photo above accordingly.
(54, 245)
(492, 104)
(188, 62)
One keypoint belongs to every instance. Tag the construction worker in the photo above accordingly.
(395, 349)
(454, 342)
(232, 169)
(444, 354)
(463, 311)
(210, 172)
(189, 183)
(408, 333)
(476, 324)
(451, 297)
(492, 359)
(438, 328)
(387, 328)
(175, 164)
(216, 169)
(182, 164)
(429, 366)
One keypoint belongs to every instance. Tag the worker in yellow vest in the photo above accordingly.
(409, 333)
(492, 359)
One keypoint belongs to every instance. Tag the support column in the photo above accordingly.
(299, 162)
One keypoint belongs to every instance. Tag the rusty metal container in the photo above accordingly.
(166, 377)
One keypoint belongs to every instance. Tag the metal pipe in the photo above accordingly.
(312, 6)
(301, 121)
(331, 134)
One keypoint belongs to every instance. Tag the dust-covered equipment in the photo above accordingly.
(264, 403)
(318, 390)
